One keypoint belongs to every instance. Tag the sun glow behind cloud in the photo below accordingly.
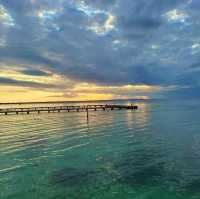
(5, 17)
(104, 28)
(78, 93)
(65, 89)
(176, 15)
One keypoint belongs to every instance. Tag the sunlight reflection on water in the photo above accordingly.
(118, 154)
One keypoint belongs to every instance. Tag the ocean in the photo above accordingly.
(150, 153)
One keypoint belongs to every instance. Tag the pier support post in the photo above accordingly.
(87, 115)
(135, 107)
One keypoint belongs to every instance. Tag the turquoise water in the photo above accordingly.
(152, 153)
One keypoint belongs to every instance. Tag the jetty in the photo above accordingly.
(50, 109)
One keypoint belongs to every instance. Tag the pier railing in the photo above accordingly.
(49, 109)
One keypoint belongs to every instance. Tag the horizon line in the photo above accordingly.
(71, 101)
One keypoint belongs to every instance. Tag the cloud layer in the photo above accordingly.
(106, 43)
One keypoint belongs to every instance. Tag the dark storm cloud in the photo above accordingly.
(22, 54)
(195, 65)
(114, 42)
(14, 82)
(34, 72)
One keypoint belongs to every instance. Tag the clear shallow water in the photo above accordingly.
(148, 154)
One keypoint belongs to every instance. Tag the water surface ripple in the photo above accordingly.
(146, 154)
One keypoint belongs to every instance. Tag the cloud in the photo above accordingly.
(107, 43)
(21, 83)
(195, 65)
(5, 18)
(184, 93)
(34, 72)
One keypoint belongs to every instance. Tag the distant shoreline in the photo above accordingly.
(57, 102)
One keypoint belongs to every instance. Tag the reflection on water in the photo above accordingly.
(118, 154)
(141, 120)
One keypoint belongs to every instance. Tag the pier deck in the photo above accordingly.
(59, 109)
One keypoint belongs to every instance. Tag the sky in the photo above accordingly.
(99, 49)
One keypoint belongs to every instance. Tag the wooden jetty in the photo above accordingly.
(59, 109)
